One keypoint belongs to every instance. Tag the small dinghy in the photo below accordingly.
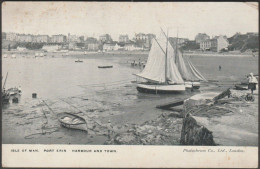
(241, 87)
(103, 67)
(72, 121)
(78, 60)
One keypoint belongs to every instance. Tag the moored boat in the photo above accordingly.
(72, 121)
(78, 60)
(166, 71)
(160, 89)
(105, 66)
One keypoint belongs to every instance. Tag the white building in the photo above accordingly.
(123, 38)
(21, 48)
(216, 44)
(109, 46)
(51, 48)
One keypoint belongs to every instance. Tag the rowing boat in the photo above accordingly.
(72, 121)
(105, 67)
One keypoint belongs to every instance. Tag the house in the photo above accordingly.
(175, 40)
(144, 40)
(131, 46)
(123, 38)
(93, 46)
(41, 38)
(72, 45)
(216, 44)
(201, 37)
(58, 38)
(24, 38)
(105, 38)
(109, 46)
(119, 46)
(51, 48)
(73, 38)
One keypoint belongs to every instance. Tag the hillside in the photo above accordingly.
(244, 42)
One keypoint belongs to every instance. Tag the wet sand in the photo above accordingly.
(98, 95)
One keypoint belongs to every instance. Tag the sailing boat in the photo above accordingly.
(165, 71)
(189, 73)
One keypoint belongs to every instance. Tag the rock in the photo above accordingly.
(194, 134)
(131, 130)
(143, 141)
(125, 138)
(198, 99)
(250, 97)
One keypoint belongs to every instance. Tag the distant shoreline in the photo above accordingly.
(200, 54)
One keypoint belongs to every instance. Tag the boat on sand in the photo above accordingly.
(166, 71)
(78, 60)
(72, 121)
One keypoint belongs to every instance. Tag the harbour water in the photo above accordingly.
(102, 94)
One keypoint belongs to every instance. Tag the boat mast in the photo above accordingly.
(166, 54)
(5, 80)
(176, 48)
(166, 58)
(159, 45)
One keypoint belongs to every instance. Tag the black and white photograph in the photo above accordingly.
(130, 73)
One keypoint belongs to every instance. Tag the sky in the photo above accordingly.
(115, 18)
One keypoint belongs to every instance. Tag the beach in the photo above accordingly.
(104, 94)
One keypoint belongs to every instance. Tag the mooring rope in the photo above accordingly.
(43, 125)
(109, 83)
(82, 112)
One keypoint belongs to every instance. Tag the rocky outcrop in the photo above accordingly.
(194, 134)
(165, 130)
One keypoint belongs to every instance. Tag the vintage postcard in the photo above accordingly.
(130, 84)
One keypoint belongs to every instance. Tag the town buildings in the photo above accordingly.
(105, 38)
(144, 40)
(58, 38)
(123, 39)
(93, 46)
(24, 38)
(201, 37)
(11, 36)
(51, 48)
(109, 46)
(73, 38)
(179, 41)
(215, 44)
(41, 39)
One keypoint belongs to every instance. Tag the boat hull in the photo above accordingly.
(160, 89)
(76, 127)
(104, 67)
(67, 120)
(193, 85)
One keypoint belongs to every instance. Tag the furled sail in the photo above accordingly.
(154, 70)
